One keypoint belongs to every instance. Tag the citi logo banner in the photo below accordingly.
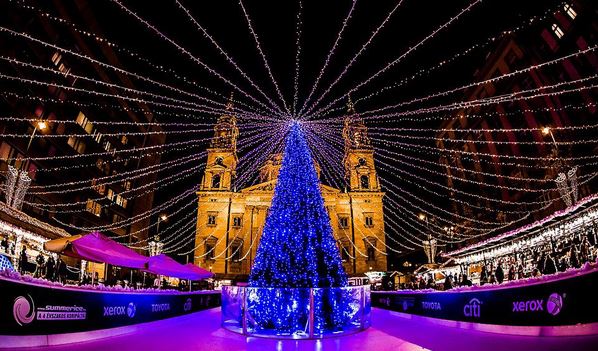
(187, 306)
(473, 308)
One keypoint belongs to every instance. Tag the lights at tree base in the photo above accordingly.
(296, 313)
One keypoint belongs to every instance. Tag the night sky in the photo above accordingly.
(275, 24)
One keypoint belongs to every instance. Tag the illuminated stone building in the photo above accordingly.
(230, 221)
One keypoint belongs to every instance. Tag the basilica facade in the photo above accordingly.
(230, 221)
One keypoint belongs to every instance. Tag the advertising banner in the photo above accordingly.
(31, 309)
(560, 302)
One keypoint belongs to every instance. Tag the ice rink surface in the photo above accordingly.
(389, 331)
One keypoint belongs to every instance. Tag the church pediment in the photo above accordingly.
(270, 185)
(261, 187)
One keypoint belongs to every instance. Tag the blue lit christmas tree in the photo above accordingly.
(297, 249)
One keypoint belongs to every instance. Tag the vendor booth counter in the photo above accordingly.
(561, 304)
(34, 314)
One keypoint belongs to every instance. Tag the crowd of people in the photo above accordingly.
(552, 257)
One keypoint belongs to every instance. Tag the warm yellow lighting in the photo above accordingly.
(163, 217)
(41, 125)
(422, 216)
(546, 130)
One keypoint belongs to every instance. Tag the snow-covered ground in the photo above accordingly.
(389, 331)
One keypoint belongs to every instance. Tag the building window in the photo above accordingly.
(121, 201)
(124, 140)
(237, 221)
(84, 122)
(93, 207)
(369, 220)
(343, 222)
(365, 182)
(110, 194)
(345, 253)
(56, 58)
(77, 144)
(209, 254)
(237, 249)
(219, 161)
(211, 219)
(371, 253)
(216, 181)
(570, 11)
(99, 188)
(557, 30)
(116, 218)
(362, 162)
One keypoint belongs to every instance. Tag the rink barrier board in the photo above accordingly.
(30, 309)
(562, 303)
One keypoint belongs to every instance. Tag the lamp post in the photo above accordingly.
(41, 125)
(566, 180)
(155, 246)
(423, 217)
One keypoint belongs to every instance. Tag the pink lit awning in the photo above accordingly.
(97, 247)
(164, 265)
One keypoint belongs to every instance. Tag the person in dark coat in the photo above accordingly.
(500, 274)
(465, 281)
(574, 257)
(40, 265)
(23, 260)
(549, 265)
(50, 265)
(448, 283)
(4, 244)
(484, 275)
(512, 272)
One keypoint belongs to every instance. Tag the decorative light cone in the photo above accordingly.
(297, 248)
(297, 286)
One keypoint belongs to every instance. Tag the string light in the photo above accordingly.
(354, 58)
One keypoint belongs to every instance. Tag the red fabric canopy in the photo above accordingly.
(97, 247)
(164, 265)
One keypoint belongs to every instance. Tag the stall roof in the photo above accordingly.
(22, 220)
(97, 247)
(164, 265)
(587, 202)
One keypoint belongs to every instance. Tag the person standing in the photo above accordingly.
(549, 265)
(574, 257)
(50, 265)
(512, 272)
(23, 260)
(39, 265)
(500, 273)
(4, 244)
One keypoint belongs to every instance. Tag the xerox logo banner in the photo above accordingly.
(553, 305)
(561, 302)
(128, 310)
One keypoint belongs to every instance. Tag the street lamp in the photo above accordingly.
(430, 242)
(155, 246)
(548, 131)
(41, 125)
(566, 180)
